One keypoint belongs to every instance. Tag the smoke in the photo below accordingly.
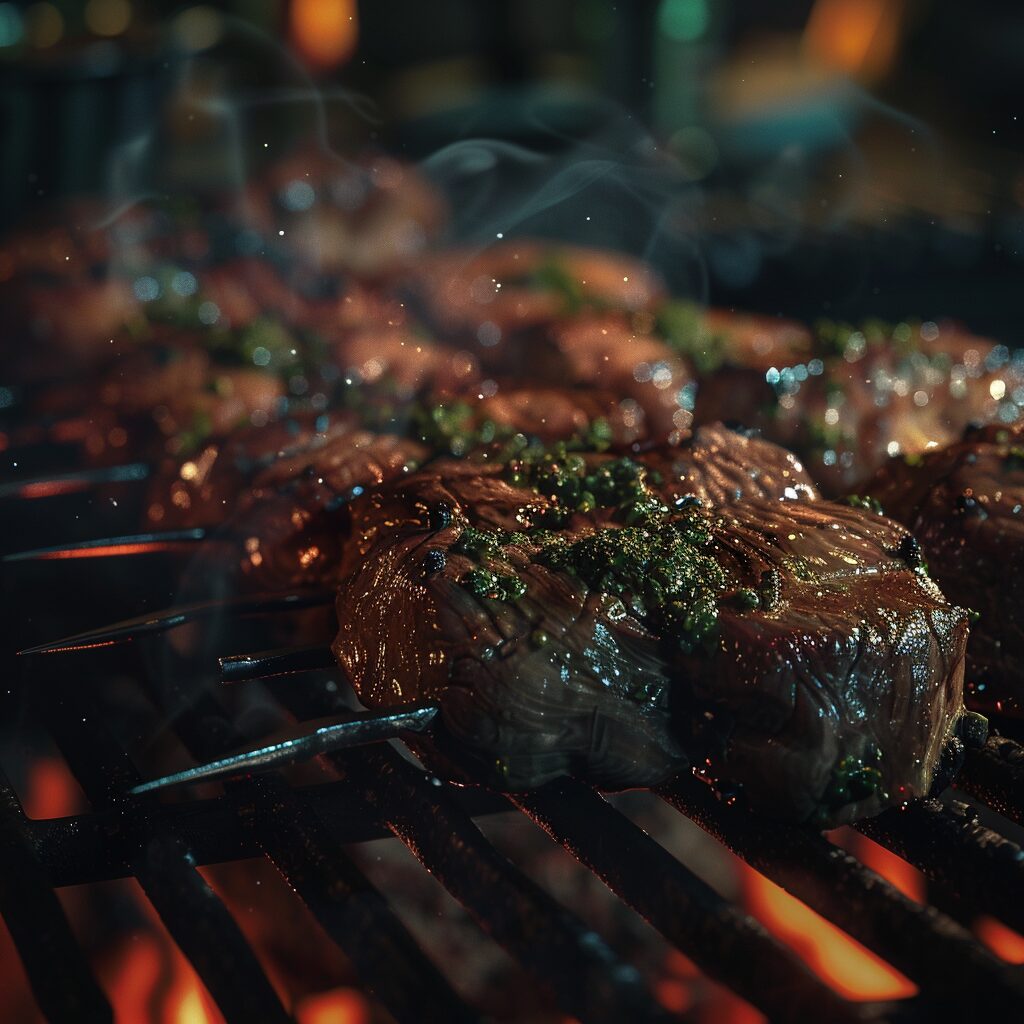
(616, 189)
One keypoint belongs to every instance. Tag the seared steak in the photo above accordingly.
(722, 465)
(864, 396)
(965, 504)
(569, 621)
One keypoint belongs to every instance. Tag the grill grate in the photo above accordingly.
(304, 831)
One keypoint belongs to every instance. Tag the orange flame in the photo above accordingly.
(840, 961)
(136, 976)
(684, 990)
(147, 978)
(324, 32)
(340, 1006)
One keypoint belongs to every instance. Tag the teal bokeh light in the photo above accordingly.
(684, 20)
(11, 27)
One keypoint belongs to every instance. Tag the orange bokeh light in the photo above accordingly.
(324, 32)
(858, 37)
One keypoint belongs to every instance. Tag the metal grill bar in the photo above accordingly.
(979, 867)
(130, 630)
(726, 943)
(927, 946)
(301, 831)
(350, 909)
(569, 959)
(352, 912)
(86, 848)
(995, 775)
(39, 928)
(196, 919)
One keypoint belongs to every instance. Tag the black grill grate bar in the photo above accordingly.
(57, 971)
(569, 959)
(352, 912)
(995, 775)
(198, 922)
(84, 848)
(725, 942)
(350, 909)
(938, 955)
(974, 865)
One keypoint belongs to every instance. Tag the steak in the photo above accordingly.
(965, 503)
(722, 465)
(868, 394)
(568, 620)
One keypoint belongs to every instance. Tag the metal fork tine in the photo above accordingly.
(69, 483)
(371, 727)
(238, 668)
(107, 547)
(162, 621)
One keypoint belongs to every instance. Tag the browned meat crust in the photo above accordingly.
(965, 503)
(826, 688)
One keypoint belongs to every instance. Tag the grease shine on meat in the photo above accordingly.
(570, 619)
(966, 504)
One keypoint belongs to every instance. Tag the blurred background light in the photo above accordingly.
(108, 17)
(198, 28)
(684, 20)
(12, 28)
(324, 32)
(44, 25)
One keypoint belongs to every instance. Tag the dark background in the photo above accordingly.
(835, 157)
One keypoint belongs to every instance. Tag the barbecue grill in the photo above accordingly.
(306, 828)
(116, 706)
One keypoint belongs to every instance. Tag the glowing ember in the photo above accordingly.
(893, 869)
(147, 978)
(843, 963)
(684, 990)
(340, 1006)
(52, 790)
(1004, 942)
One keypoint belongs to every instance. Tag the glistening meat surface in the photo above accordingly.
(795, 649)
(966, 505)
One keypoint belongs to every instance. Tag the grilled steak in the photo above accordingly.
(521, 284)
(569, 621)
(965, 503)
(721, 465)
(865, 395)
